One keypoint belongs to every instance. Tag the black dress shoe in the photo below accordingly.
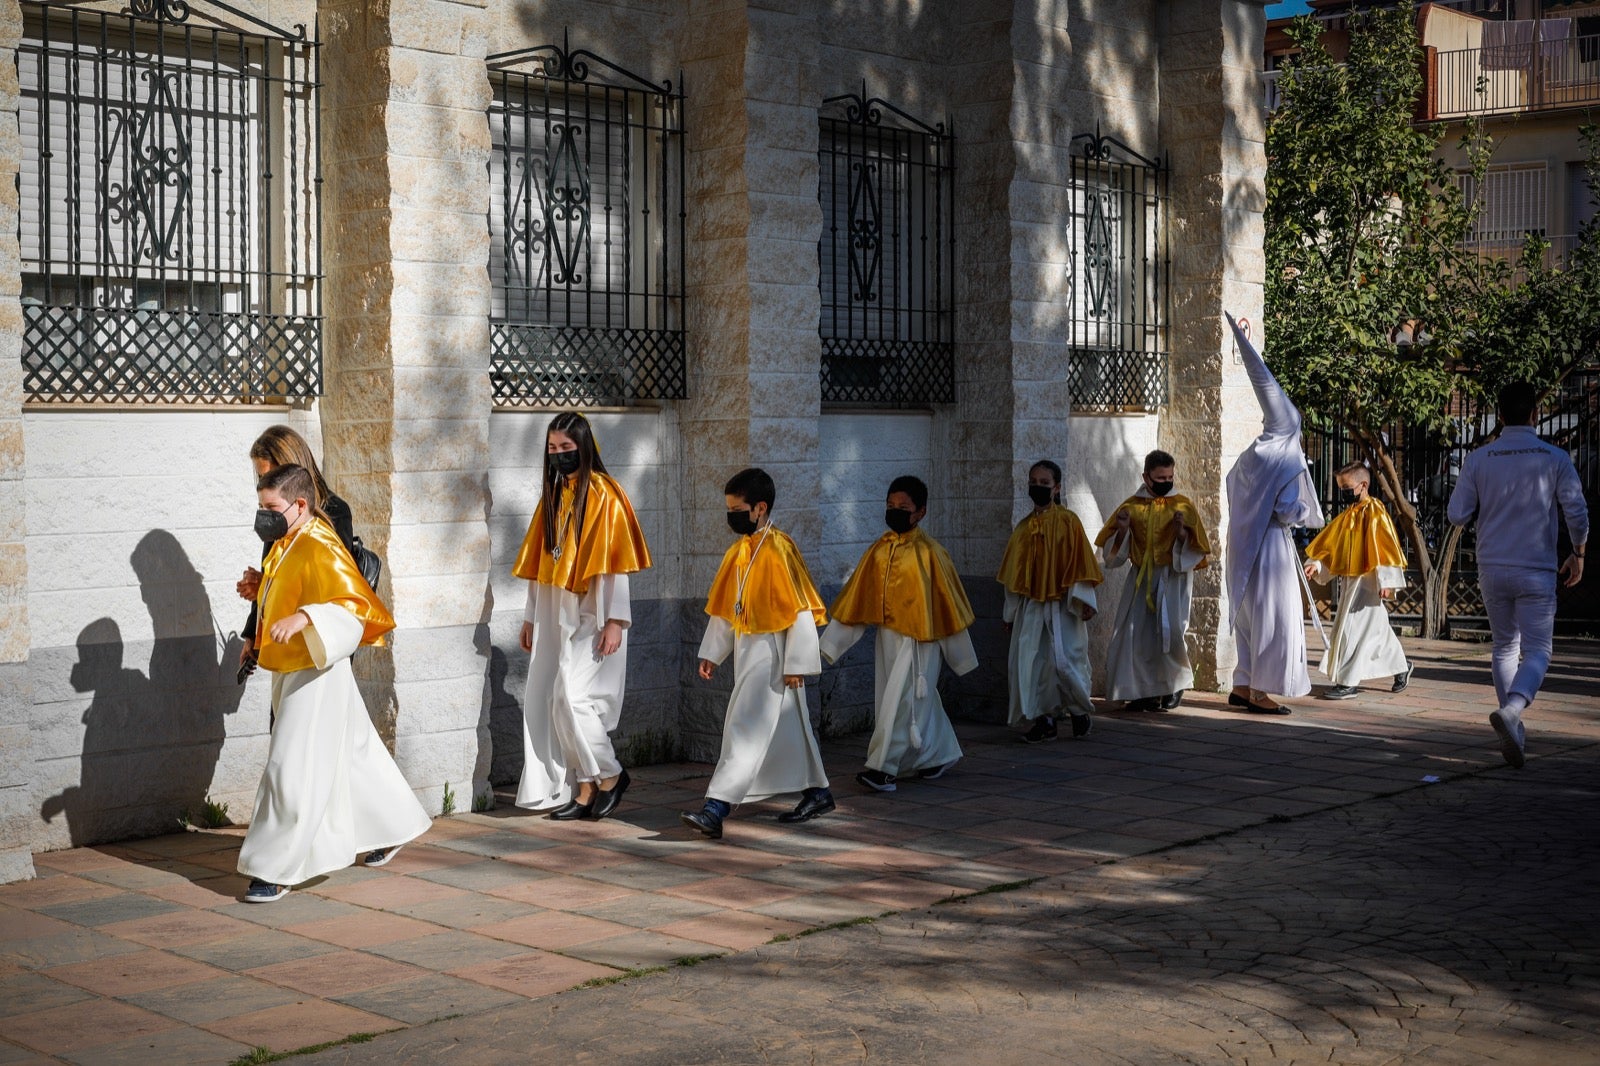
(1266, 708)
(1402, 679)
(1172, 700)
(1236, 700)
(809, 807)
(606, 802)
(703, 821)
(573, 811)
(1148, 703)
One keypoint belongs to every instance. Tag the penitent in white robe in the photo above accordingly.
(768, 747)
(1363, 645)
(911, 730)
(573, 698)
(1148, 656)
(330, 791)
(1269, 624)
(1049, 654)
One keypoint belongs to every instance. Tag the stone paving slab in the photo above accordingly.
(495, 917)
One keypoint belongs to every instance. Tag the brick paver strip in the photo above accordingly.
(1429, 924)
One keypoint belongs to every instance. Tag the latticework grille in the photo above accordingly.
(98, 354)
(553, 366)
(887, 373)
(1114, 380)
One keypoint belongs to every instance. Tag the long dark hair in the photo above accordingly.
(281, 446)
(577, 427)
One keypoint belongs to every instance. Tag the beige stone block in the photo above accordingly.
(442, 288)
(438, 80)
(720, 218)
(783, 260)
(779, 306)
(782, 172)
(14, 632)
(443, 185)
(437, 443)
(418, 131)
(438, 549)
(455, 237)
(791, 439)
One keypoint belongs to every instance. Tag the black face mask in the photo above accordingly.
(1349, 495)
(271, 526)
(742, 522)
(1040, 495)
(897, 520)
(565, 464)
(1160, 488)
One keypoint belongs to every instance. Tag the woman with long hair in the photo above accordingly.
(282, 446)
(581, 545)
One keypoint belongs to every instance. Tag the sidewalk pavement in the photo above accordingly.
(1211, 887)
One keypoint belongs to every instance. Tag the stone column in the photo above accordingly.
(406, 413)
(754, 390)
(17, 814)
(1213, 125)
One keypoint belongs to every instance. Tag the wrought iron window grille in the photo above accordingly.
(586, 230)
(170, 195)
(1119, 277)
(886, 260)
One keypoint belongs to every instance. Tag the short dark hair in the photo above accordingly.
(292, 483)
(1357, 467)
(1055, 471)
(1157, 459)
(1516, 403)
(911, 486)
(753, 485)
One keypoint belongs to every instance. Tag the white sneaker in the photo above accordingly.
(1508, 724)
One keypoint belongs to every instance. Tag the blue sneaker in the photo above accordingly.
(262, 892)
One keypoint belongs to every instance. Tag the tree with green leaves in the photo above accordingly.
(1377, 314)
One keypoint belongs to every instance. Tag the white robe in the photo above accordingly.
(1362, 644)
(573, 698)
(1049, 655)
(1148, 656)
(910, 728)
(330, 791)
(1269, 617)
(768, 747)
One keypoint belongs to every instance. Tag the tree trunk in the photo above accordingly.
(1405, 516)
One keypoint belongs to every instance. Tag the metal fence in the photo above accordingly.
(887, 255)
(1518, 75)
(586, 232)
(1119, 285)
(1429, 464)
(170, 205)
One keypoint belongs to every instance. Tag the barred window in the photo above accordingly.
(1118, 291)
(887, 255)
(169, 206)
(586, 227)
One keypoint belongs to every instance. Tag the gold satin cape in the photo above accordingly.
(1153, 533)
(777, 585)
(611, 541)
(907, 583)
(311, 566)
(1359, 540)
(1047, 554)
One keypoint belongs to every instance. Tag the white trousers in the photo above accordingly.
(1521, 605)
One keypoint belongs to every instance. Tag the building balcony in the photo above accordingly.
(1514, 79)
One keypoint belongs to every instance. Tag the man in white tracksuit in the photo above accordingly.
(1511, 487)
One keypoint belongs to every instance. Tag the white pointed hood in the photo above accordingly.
(1272, 463)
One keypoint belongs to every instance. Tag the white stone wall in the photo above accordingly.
(139, 523)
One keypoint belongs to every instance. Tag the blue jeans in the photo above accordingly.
(1521, 605)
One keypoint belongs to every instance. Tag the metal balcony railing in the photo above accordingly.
(1509, 79)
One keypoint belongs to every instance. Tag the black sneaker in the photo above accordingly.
(933, 773)
(1402, 679)
(1044, 728)
(1082, 726)
(1341, 692)
(876, 780)
(1147, 703)
(381, 856)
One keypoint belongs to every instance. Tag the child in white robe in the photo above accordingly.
(330, 790)
(764, 610)
(1049, 573)
(906, 585)
(1159, 534)
(1361, 549)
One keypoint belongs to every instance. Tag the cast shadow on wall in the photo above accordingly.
(150, 742)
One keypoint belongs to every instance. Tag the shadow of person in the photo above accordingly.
(150, 743)
(112, 724)
(504, 708)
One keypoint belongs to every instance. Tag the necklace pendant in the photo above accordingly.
(555, 553)
(738, 607)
